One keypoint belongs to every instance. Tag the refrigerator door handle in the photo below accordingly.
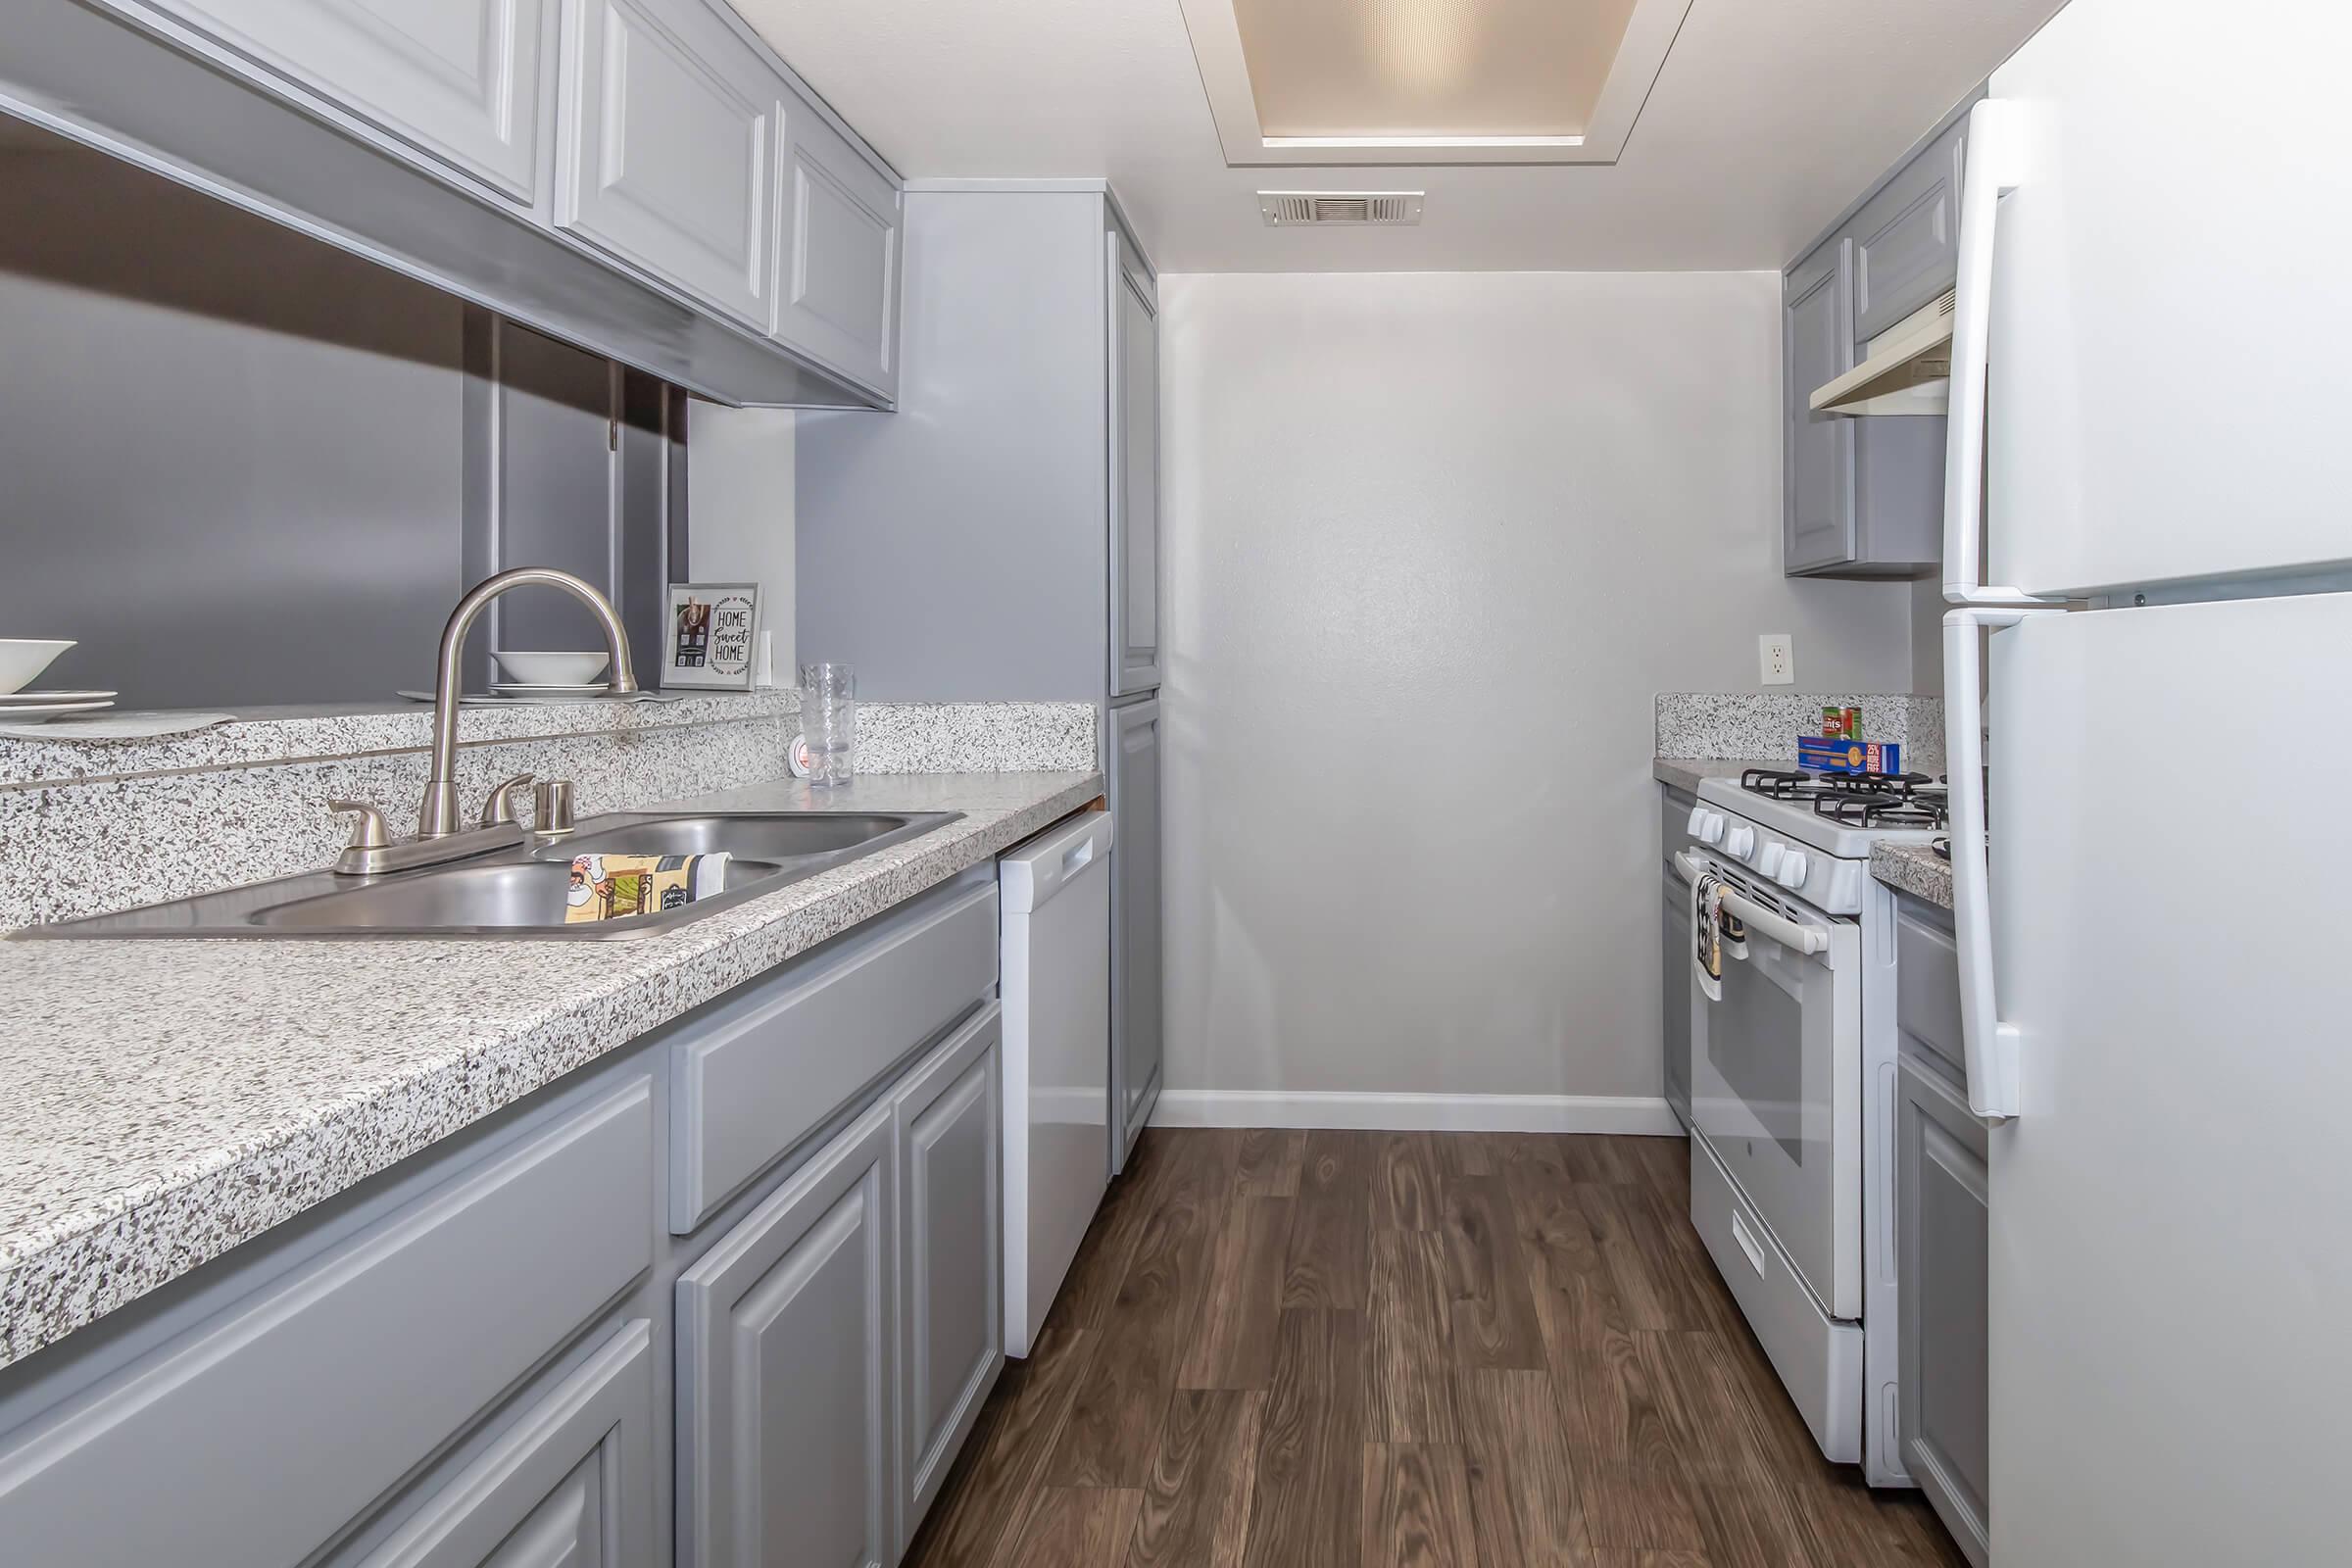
(1991, 1043)
(1991, 172)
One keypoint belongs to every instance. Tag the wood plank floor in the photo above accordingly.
(1286, 1349)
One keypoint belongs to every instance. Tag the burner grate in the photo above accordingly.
(1855, 799)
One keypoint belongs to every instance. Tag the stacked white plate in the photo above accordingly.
(31, 708)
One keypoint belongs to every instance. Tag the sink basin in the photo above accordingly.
(765, 836)
(519, 892)
(468, 898)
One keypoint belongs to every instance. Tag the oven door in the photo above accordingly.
(1776, 1082)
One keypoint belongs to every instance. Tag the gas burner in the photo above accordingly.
(1904, 808)
(1776, 784)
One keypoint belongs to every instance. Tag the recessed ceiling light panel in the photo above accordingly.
(1429, 81)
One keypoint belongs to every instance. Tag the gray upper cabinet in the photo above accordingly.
(1907, 237)
(458, 80)
(1817, 449)
(1863, 496)
(787, 1364)
(1134, 470)
(838, 298)
(672, 127)
(642, 178)
(948, 1119)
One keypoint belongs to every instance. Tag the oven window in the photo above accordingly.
(1757, 1039)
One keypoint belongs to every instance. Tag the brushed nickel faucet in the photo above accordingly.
(439, 834)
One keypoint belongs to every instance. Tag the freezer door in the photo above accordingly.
(2171, 1206)
(1135, 991)
(2165, 269)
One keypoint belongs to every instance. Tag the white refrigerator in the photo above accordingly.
(2147, 418)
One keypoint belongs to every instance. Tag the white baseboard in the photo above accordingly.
(1638, 1114)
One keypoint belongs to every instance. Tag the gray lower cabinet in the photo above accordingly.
(459, 79)
(569, 1484)
(1675, 937)
(786, 1367)
(1943, 1239)
(949, 1121)
(236, 1441)
(513, 1350)
(1136, 1031)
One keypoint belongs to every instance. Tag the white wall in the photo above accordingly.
(1433, 542)
(739, 511)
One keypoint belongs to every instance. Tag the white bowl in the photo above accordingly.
(553, 670)
(24, 658)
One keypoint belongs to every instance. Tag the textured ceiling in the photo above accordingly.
(1767, 119)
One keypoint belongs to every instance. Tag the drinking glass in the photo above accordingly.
(829, 721)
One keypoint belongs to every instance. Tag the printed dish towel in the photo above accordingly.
(621, 887)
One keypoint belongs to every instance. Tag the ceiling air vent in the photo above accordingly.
(1284, 208)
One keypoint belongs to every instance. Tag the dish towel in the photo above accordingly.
(619, 887)
(1715, 934)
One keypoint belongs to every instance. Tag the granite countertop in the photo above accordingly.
(1913, 868)
(1687, 773)
(162, 1101)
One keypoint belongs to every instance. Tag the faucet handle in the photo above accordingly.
(370, 831)
(551, 815)
(364, 854)
(499, 809)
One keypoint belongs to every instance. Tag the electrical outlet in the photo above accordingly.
(1776, 656)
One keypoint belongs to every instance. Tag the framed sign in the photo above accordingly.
(710, 634)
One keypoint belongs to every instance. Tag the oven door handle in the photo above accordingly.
(1805, 939)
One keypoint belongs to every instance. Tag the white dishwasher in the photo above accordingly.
(1057, 993)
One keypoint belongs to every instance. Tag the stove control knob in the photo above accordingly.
(1769, 862)
(1793, 869)
(1741, 845)
(1698, 821)
(1712, 828)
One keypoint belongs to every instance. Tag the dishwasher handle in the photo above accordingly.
(1032, 872)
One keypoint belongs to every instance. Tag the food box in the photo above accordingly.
(1817, 755)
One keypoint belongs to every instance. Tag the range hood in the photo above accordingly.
(1905, 370)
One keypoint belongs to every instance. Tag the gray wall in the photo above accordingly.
(231, 452)
(740, 463)
(1433, 543)
(243, 467)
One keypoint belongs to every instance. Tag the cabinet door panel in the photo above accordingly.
(1818, 482)
(457, 79)
(1907, 246)
(786, 1361)
(1135, 978)
(950, 1125)
(571, 1483)
(1941, 1209)
(670, 141)
(840, 297)
(1134, 472)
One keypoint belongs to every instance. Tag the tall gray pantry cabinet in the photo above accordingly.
(997, 538)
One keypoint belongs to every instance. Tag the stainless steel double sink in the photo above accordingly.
(519, 892)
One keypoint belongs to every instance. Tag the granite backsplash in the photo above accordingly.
(1766, 724)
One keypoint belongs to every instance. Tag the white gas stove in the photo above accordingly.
(1811, 834)
(1792, 1079)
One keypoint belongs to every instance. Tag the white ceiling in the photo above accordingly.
(1768, 120)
